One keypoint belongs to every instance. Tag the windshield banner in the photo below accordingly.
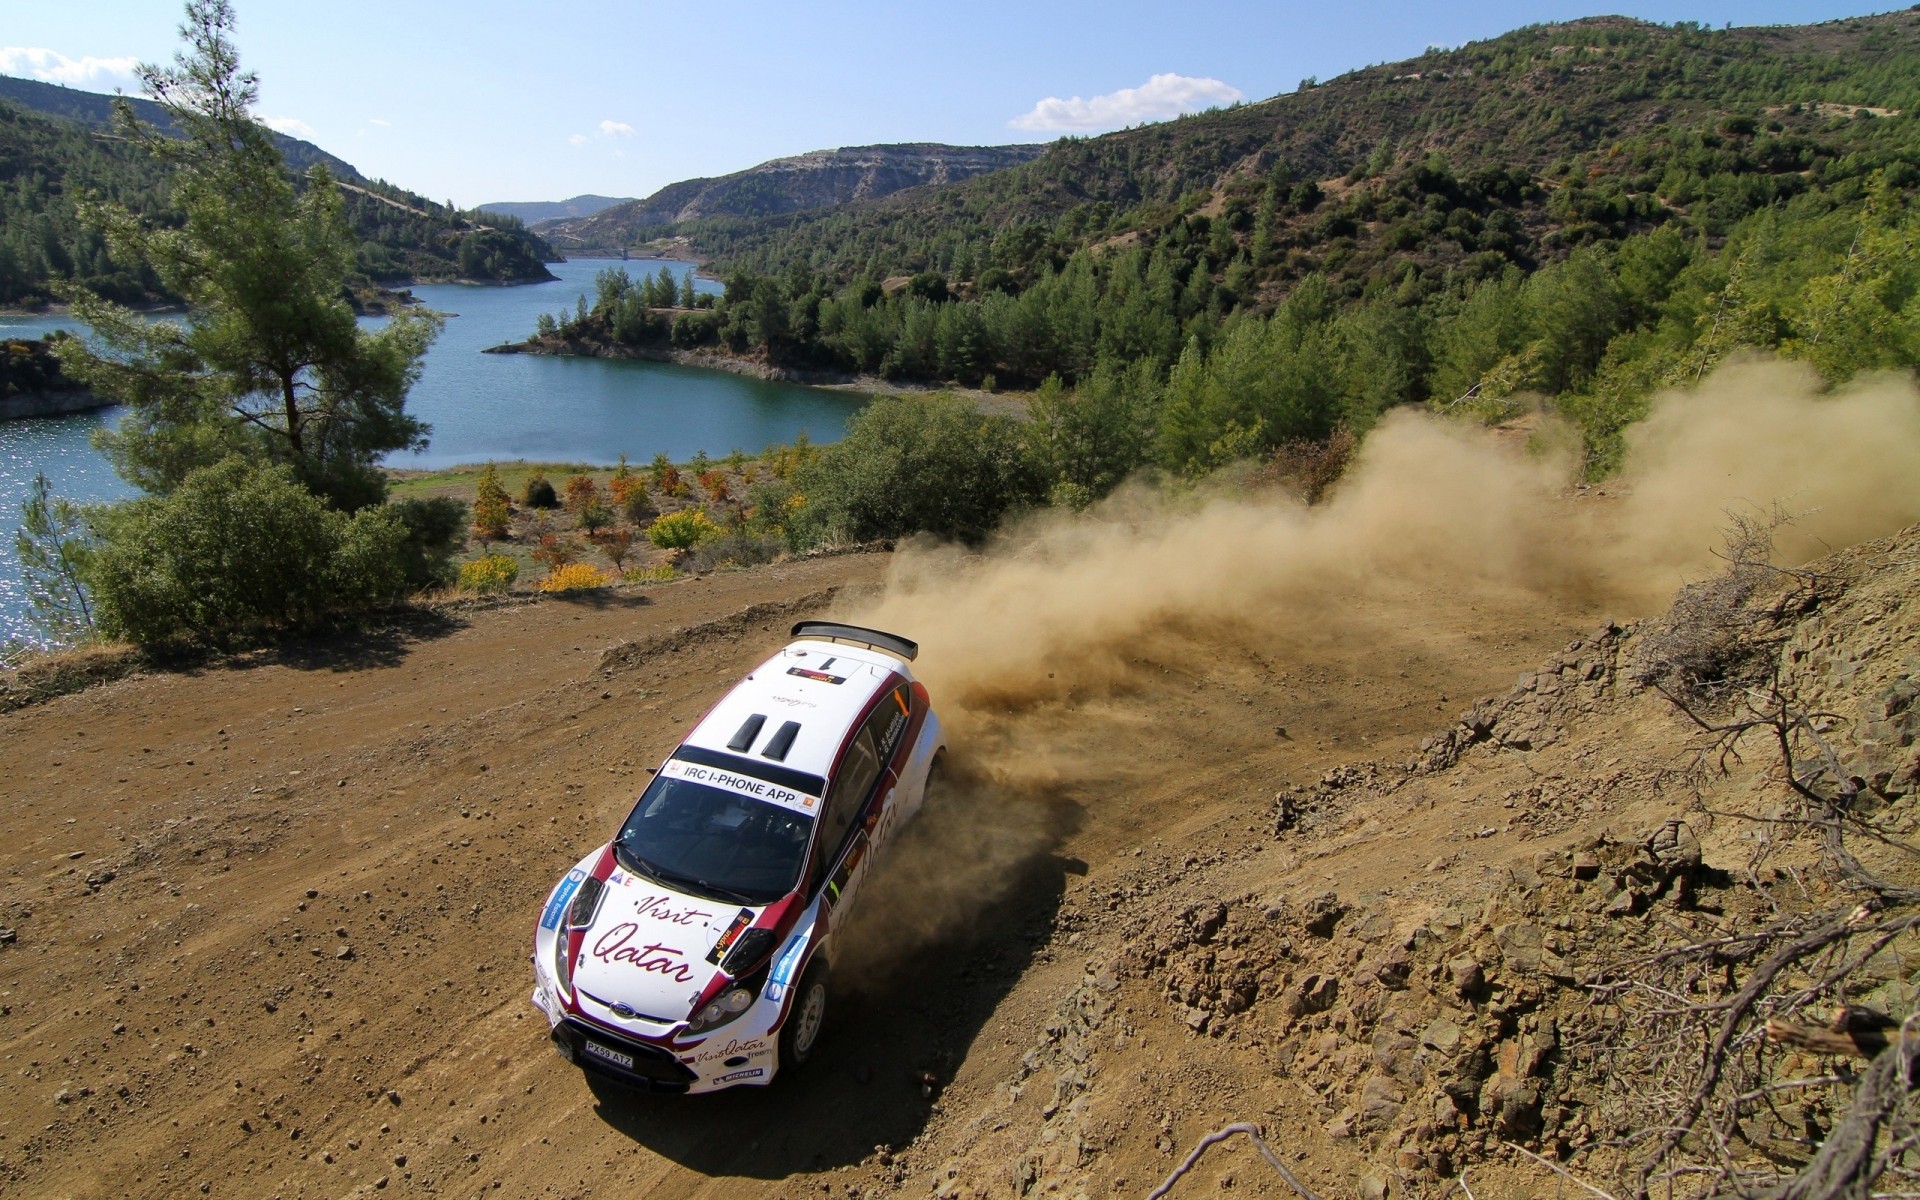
(745, 785)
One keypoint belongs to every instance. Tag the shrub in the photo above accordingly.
(236, 547)
(657, 573)
(490, 509)
(582, 492)
(784, 460)
(1309, 467)
(638, 506)
(616, 544)
(666, 477)
(932, 463)
(680, 530)
(623, 483)
(433, 538)
(595, 516)
(735, 550)
(490, 573)
(557, 550)
(574, 577)
(539, 492)
(714, 483)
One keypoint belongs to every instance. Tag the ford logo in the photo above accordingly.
(621, 1010)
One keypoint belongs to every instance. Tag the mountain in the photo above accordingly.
(56, 147)
(534, 211)
(823, 179)
(1573, 131)
(96, 109)
(1588, 213)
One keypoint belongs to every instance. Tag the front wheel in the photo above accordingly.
(802, 1031)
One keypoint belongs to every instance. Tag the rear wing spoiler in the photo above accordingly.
(834, 632)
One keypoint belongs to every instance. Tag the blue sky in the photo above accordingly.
(488, 101)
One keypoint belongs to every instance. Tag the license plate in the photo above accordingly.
(608, 1054)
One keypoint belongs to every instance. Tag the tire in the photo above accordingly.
(800, 1036)
(936, 786)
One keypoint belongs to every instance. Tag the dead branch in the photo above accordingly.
(1260, 1144)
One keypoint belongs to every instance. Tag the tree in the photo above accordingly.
(270, 362)
(238, 546)
(52, 544)
(933, 463)
(490, 507)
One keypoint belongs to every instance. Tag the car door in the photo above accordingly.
(858, 807)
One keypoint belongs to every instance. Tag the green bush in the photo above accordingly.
(680, 530)
(435, 531)
(539, 492)
(911, 464)
(237, 547)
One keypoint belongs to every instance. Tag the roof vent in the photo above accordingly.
(781, 741)
(749, 730)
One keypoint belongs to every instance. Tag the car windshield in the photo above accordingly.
(714, 843)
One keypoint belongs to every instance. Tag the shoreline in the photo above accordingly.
(832, 381)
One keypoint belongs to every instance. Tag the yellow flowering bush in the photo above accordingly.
(489, 573)
(679, 530)
(574, 577)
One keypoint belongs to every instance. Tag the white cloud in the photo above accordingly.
(51, 66)
(289, 125)
(1157, 99)
(615, 129)
(382, 122)
(576, 139)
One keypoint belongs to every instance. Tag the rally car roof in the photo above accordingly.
(793, 711)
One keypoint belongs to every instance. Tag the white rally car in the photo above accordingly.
(691, 952)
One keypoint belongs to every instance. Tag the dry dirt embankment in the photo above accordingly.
(1208, 864)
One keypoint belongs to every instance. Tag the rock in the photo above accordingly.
(1374, 1186)
(1315, 993)
(1321, 914)
(1520, 945)
(1467, 974)
(1585, 866)
(1380, 1100)
(1442, 1035)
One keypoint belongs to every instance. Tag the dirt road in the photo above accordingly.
(272, 917)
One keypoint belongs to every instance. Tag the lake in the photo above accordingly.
(481, 406)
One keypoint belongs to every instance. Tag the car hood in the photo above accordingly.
(653, 949)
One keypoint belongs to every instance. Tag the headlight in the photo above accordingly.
(580, 914)
(754, 945)
(586, 902)
(721, 1009)
(563, 964)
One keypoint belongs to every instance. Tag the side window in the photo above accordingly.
(889, 721)
(851, 787)
(866, 758)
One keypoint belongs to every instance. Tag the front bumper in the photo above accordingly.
(741, 1053)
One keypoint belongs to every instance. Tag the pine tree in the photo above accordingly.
(270, 362)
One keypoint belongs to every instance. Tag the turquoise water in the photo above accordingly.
(481, 406)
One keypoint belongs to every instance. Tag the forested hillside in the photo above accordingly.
(1588, 211)
(803, 182)
(50, 160)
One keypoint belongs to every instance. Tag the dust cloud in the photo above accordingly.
(1432, 512)
(1437, 524)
